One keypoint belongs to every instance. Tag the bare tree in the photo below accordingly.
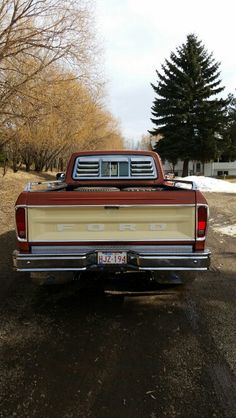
(54, 118)
(145, 142)
(34, 34)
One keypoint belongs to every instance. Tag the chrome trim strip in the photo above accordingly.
(173, 269)
(122, 240)
(192, 205)
(50, 257)
(146, 249)
(171, 257)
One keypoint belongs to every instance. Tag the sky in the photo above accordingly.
(138, 35)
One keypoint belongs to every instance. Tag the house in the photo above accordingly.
(211, 169)
(195, 168)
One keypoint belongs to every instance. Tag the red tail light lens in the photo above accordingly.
(21, 223)
(202, 215)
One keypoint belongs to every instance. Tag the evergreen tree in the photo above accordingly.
(229, 135)
(186, 112)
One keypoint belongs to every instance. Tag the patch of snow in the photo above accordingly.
(209, 184)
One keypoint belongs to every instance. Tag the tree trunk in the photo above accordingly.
(27, 166)
(185, 168)
(15, 164)
(203, 168)
(5, 166)
(60, 164)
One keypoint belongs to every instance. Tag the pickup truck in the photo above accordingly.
(111, 212)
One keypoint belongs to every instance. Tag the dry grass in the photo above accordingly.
(10, 187)
(232, 180)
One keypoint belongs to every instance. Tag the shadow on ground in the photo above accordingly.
(7, 275)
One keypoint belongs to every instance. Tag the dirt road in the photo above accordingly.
(66, 353)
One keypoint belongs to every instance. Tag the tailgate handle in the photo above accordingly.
(111, 207)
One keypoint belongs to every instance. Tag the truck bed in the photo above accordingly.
(112, 211)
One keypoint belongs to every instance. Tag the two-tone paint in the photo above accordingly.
(158, 229)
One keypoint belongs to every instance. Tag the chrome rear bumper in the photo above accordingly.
(138, 259)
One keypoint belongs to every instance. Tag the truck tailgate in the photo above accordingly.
(82, 223)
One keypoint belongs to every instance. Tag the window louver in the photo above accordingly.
(87, 168)
(141, 168)
(118, 166)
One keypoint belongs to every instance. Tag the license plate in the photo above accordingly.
(112, 258)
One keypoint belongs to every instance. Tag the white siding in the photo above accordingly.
(209, 169)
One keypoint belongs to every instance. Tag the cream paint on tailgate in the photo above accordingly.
(96, 223)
